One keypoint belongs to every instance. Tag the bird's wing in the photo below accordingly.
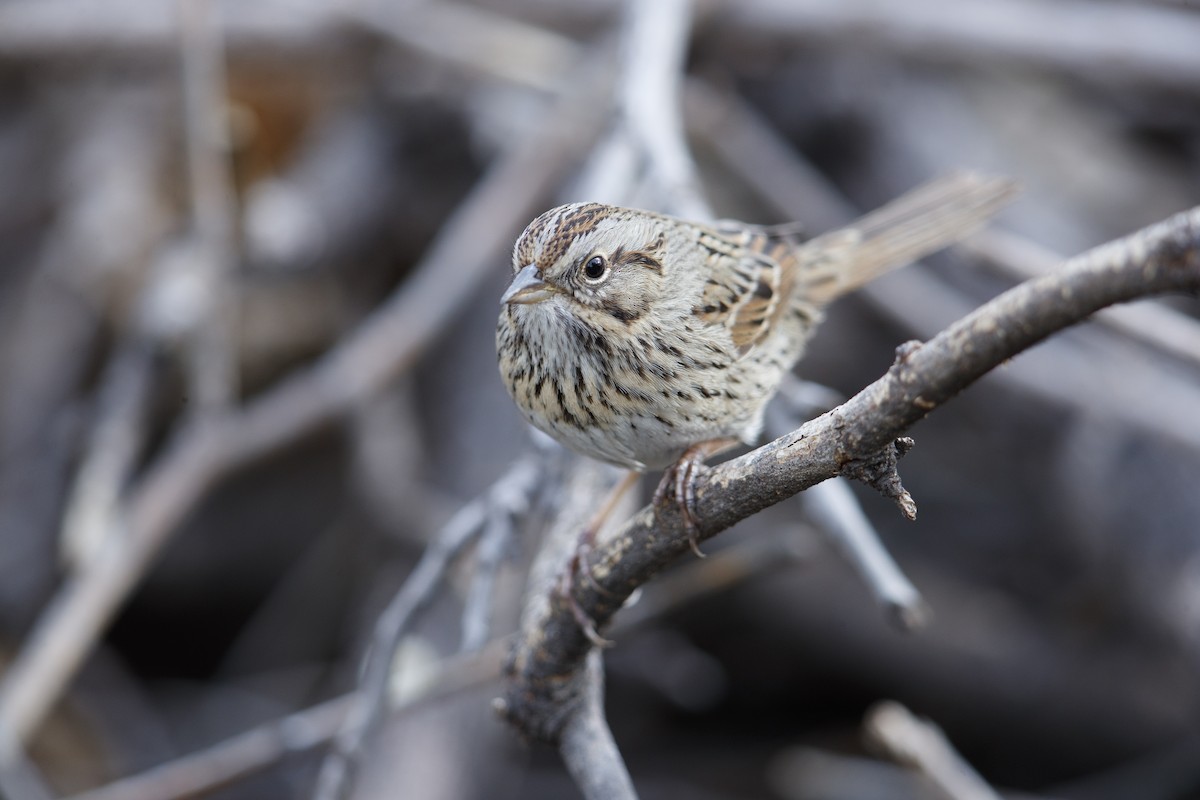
(756, 273)
(748, 281)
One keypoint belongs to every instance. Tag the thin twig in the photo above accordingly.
(588, 748)
(1037, 32)
(117, 435)
(370, 700)
(296, 733)
(477, 608)
(655, 49)
(644, 160)
(920, 744)
(165, 312)
(836, 512)
(258, 748)
(231, 758)
(490, 514)
(475, 38)
(1164, 257)
(1158, 49)
(213, 373)
(382, 347)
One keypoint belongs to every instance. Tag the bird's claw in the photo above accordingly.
(566, 586)
(680, 480)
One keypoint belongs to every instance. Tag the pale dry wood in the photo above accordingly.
(1073, 37)
(588, 748)
(479, 40)
(1157, 45)
(212, 359)
(644, 161)
(117, 435)
(260, 747)
(490, 515)
(920, 744)
(296, 733)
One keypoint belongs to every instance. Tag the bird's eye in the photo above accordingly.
(595, 268)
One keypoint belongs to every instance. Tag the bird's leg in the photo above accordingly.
(578, 562)
(680, 479)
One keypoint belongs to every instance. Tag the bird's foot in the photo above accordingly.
(680, 480)
(566, 585)
(578, 563)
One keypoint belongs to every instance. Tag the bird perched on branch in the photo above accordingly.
(648, 341)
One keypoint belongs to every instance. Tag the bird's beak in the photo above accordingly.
(527, 287)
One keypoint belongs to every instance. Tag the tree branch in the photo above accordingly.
(588, 748)
(1045, 34)
(300, 732)
(1162, 258)
(920, 744)
(212, 360)
(1154, 324)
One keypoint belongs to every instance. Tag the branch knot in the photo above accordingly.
(879, 471)
(540, 708)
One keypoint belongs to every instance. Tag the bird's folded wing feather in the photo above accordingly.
(750, 278)
(755, 275)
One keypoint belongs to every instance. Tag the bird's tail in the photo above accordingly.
(910, 227)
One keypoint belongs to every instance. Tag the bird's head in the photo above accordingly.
(590, 256)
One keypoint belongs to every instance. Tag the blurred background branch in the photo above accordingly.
(168, 586)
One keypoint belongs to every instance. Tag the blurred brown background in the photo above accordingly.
(147, 290)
